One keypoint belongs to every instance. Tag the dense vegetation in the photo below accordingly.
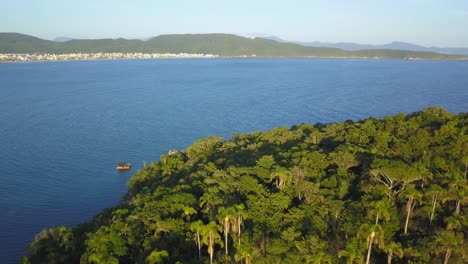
(372, 191)
(219, 44)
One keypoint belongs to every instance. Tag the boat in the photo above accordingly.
(124, 166)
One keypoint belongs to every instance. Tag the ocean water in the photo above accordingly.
(65, 125)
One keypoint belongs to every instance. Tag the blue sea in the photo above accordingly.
(65, 125)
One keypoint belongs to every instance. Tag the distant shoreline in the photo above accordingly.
(49, 57)
(188, 45)
(28, 57)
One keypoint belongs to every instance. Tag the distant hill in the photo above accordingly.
(20, 43)
(396, 45)
(220, 44)
(62, 39)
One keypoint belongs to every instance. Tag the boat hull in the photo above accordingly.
(124, 166)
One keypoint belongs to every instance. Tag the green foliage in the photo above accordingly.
(54, 245)
(157, 256)
(105, 246)
(390, 190)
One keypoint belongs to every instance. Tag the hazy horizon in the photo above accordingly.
(249, 35)
(427, 23)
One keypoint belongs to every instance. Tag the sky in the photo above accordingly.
(441, 23)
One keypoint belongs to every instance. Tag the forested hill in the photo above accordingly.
(217, 44)
(377, 190)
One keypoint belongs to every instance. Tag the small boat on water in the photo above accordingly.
(124, 166)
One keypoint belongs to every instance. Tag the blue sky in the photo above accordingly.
(426, 22)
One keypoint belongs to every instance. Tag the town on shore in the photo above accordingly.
(12, 57)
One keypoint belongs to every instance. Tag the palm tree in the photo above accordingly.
(352, 252)
(246, 252)
(227, 217)
(374, 235)
(458, 192)
(281, 176)
(380, 209)
(462, 197)
(454, 222)
(240, 215)
(448, 243)
(436, 193)
(413, 196)
(209, 236)
(393, 249)
(188, 211)
(197, 227)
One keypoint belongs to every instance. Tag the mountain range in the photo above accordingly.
(220, 44)
(396, 45)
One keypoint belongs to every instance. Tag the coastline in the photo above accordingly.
(44, 57)
(50, 57)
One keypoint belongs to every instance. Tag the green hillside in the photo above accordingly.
(391, 54)
(20, 43)
(218, 44)
(232, 45)
(102, 45)
(390, 190)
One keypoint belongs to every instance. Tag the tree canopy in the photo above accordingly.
(389, 190)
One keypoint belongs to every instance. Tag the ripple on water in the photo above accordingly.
(64, 125)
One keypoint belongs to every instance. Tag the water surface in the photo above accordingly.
(65, 125)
